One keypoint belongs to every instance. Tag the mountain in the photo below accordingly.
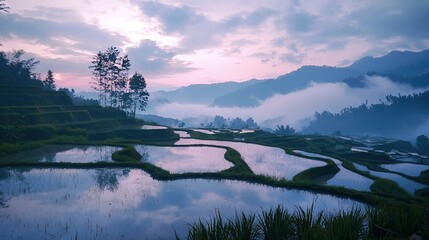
(201, 93)
(397, 116)
(391, 62)
(406, 67)
(296, 80)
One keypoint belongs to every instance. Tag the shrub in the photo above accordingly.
(128, 154)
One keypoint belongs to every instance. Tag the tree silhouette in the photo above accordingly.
(17, 71)
(49, 81)
(139, 95)
(394, 115)
(110, 74)
(282, 130)
(422, 143)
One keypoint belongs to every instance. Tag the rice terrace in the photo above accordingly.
(152, 139)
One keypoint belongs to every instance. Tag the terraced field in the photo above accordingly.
(126, 178)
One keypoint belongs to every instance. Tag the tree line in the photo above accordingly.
(395, 114)
(232, 123)
(110, 72)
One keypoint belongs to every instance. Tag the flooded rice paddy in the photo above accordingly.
(185, 159)
(270, 161)
(128, 203)
(65, 153)
(344, 178)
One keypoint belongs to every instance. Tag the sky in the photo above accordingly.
(177, 43)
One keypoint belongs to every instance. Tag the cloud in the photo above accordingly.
(149, 58)
(197, 30)
(62, 37)
(298, 107)
(382, 24)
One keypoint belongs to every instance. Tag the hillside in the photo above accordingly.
(296, 80)
(403, 67)
(201, 93)
(31, 115)
(391, 62)
(396, 116)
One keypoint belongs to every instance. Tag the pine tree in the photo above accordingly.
(49, 81)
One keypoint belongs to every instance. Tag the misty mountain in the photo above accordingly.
(396, 116)
(201, 93)
(406, 67)
(394, 62)
(170, 122)
(296, 80)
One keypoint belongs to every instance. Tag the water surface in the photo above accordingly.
(182, 134)
(153, 127)
(409, 169)
(185, 159)
(409, 185)
(264, 160)
(65, 153)
(344, 178)
(128, 204)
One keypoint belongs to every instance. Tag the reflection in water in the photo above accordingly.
(409, 169)
(68, 204)
(344, 177)
(182, 134)
(185, 159)
(153, 127)
(409, 185)
(107, 179)
(66, 153)
(205, 131)
(262, 159)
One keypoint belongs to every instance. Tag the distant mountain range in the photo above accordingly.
(405, 67)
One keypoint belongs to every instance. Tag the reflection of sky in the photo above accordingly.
(344, 177)
(186, 159)
(66, 153)
(205, 131)
(182, 134)
(262, 159)
(62, 204)
(152, 127)
(405, 183)
(409, 169)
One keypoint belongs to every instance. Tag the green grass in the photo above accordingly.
(276, 224)
(128, 154)
(389, 187)
(318, 174)
(383, 222)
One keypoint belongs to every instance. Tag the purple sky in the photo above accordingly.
(176, 43)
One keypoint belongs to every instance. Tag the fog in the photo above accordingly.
(296, 108)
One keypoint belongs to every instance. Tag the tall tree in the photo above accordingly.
(49, 81)
(17, 71)
(110, 72)
(99, 73)
(138, 92)
(422, 143)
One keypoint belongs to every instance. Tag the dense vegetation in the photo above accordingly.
(115, 88)
(32, 112)
(394, 115)
(383, 222)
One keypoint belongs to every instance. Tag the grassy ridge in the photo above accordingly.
(127, 154)
(317, 174)
(383, 222)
